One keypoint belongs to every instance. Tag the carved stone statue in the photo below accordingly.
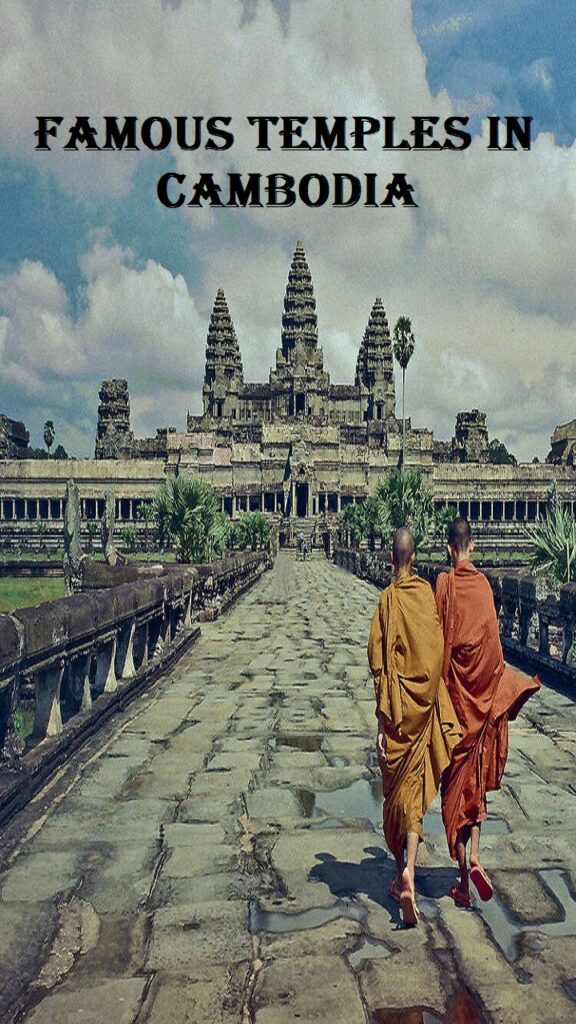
(112, 556)
(73, 555)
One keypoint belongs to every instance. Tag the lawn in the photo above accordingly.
(19, 592)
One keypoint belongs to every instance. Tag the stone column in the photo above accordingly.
(48, 718)
(106, 681)
(125, 652)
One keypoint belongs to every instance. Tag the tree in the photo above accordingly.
(553, 540)
(145, 512)
(499, 455)
(129, 538)
(404, 342)
(366, 520)
(49, 434)
(408, 502)
(251, 531)
(188, 517)
(443, 517)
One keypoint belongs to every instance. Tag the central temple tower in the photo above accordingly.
(299, 383)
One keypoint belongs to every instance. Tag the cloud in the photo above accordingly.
(480, 266)
(136, 321)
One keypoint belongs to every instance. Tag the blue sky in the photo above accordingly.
(90, 260)
(520, 52)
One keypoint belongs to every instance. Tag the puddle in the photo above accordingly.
(280, 922)
(507, 931)
(308, 742)
(362, 799)
(369, 949)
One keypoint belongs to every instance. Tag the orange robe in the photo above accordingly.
(405, 652)
(486, 695)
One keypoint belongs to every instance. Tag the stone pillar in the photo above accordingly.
(106, 681)
(80, 677)
(48, 718)
(125, 652)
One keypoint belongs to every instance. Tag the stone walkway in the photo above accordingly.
(216, 854)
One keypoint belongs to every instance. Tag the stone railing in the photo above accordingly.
(69, 659)
(539, 634)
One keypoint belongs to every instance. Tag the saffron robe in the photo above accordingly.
(486, 695)
(405, 651)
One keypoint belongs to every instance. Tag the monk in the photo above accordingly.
(417, 726)
(486, 695)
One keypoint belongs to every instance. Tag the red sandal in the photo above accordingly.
(461, 898)
(482, 883)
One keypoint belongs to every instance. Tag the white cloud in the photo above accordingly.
(138, 322)
(482, 266)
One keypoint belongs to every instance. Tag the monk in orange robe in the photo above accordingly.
(486, 695)
(417, 726)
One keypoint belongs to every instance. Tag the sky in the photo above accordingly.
(99, 280)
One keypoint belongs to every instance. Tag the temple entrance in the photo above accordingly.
(301, 500)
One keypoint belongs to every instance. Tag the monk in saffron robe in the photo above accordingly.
(417, 726)
(486, 695)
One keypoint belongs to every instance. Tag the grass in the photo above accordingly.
(18, 592)
(23, 722)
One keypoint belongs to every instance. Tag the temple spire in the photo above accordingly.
(299, 320)
(223, 359)
(375, 364)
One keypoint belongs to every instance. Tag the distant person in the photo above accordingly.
(301, 542)
(417, 726)
(486, 695)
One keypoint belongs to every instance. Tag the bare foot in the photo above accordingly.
(408, 908)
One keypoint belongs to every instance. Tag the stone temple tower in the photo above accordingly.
(114, 439)
(375, 368)
(299, 374)
(223, 375)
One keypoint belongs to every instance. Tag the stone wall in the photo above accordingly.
(76, 659)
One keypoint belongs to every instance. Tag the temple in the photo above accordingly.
(297, 447)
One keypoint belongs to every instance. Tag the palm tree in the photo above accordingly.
(408, 502)
(404, 342)
(188, 517)
(251, 531)
(49, 434)
(145, 512)
(554, 545)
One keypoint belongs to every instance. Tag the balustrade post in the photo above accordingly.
(106, 681)
(125, 668)
(80, 677)
(543, 634)
(48, 717)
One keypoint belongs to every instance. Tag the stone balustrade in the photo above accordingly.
(61, 656)
(539, 634)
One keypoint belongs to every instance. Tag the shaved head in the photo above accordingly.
(402, 547)
(459, 534)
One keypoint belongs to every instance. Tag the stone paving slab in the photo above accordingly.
(216, 857)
